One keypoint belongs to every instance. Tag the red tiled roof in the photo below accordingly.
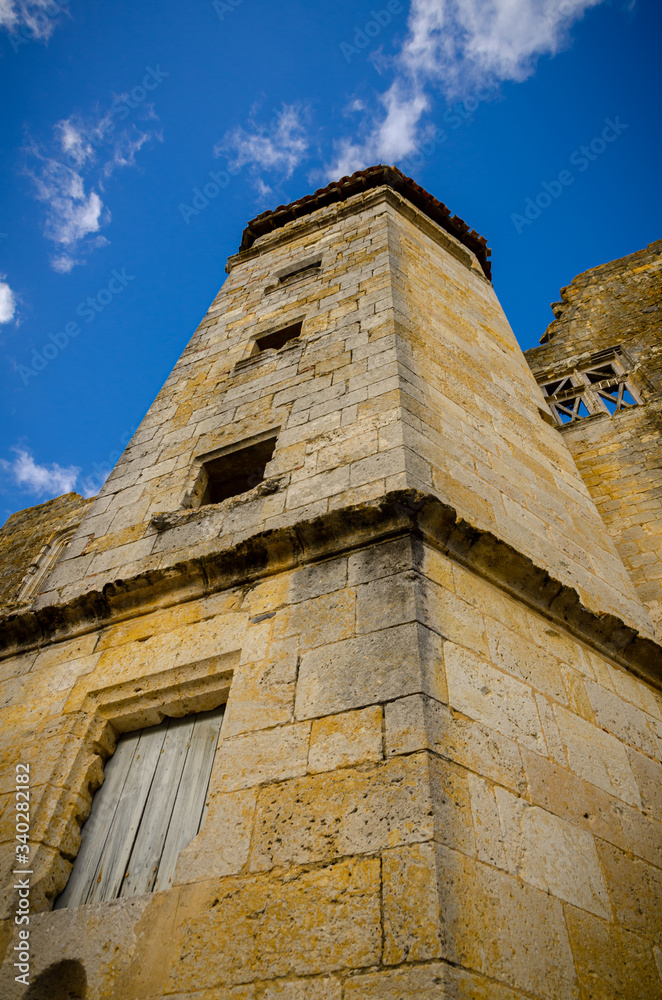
(362, 180)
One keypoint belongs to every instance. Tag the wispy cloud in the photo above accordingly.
(40, 480)
(455, 47)
(69, 173)
(34, 18)
(277, 147)
(7, 301)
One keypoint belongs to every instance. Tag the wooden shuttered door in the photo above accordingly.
(150, 806)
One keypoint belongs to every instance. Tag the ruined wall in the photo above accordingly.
(619, 456)
(26, 534)
(423, 788)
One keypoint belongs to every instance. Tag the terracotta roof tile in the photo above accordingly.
(362, 180)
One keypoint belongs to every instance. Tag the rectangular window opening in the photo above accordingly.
(235, 473)
(274, 341)
(149, 808)
(308, 270)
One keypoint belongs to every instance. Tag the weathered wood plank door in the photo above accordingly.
(148, 809)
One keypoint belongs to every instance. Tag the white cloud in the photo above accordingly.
(7, 301)
(40, 480)
(278, 147)
(456, 46)
(68, 176)
(33, 18)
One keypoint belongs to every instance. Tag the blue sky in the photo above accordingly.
(114, 114)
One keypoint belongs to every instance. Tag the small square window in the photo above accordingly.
(236, 472)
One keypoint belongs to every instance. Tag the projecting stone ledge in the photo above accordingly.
(404, 512)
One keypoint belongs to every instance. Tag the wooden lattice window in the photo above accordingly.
(150, 806)
(602, 387)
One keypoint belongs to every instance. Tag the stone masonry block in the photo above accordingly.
(493, 698)
(366, 670)
(265, 927)
(418, 722)
(346, 739)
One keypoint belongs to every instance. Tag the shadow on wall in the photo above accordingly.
(65, 980)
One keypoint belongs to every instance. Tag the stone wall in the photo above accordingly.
(439, 768)
(406, 375)
(619, 456)
(423, 788)
(25, 536)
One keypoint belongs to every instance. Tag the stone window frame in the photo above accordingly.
(580, 392)
(106, 714)
(196, 481)
(45, 563)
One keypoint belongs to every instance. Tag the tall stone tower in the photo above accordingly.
(377, 703)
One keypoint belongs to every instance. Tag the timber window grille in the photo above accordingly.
(150, 806)
(603, 386)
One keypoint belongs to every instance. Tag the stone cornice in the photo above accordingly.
(400, 513)
(330, 214)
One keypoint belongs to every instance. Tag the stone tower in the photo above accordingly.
(350, 519)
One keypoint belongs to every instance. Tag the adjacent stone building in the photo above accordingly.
(361, 637)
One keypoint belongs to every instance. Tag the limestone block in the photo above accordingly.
(635, 691)
(551, 854)
(432, 981)
(648, 775)
(572, 798)
(261, 928)
(489, 836)
(387, 601)
(383, 560)
(346, 739)
(358, 812)
(551, 730)
(419, 723)
(611, 961)
(623, 719)
(368, 669)
(82, 934)
(262, 693)
(318, 988)
(494, 924)
(322, 485)
(452, 617)
(267, 755)
(597, 756)
(517, 656)
(412, 929)
(223, 843)
(489, 696)
(635, 889)
(317, 579)
(320, 620)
